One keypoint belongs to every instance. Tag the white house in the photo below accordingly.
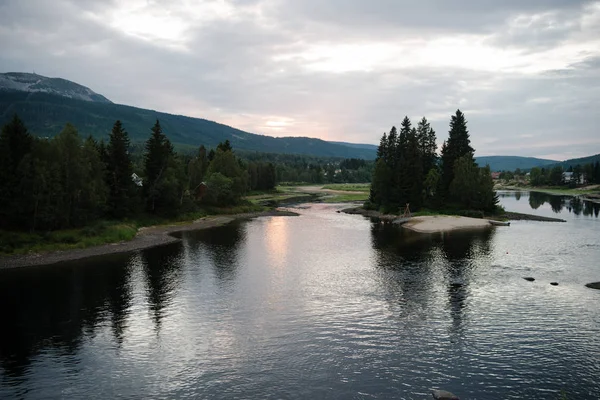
(137, 180)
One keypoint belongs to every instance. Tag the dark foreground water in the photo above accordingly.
(321, 306)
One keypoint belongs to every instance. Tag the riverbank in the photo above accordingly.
(145, 238)
(444, 223)
(592, 191)
(425, 224)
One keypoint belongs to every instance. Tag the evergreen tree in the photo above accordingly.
(94, 191)
(225, 146)
(197, 168)
(159, 153)
(414, 171)
(427, 145)
(119, 170)
(15, 144)
(457, 146)
(403, 167)
(556, 176)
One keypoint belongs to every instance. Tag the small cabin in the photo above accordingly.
(137, 180)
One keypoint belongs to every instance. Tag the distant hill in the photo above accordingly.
(359, 145)
(34, 83)
(45, 113)
(511, 163)
(580, 161)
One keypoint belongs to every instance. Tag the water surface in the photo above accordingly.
(325, 305)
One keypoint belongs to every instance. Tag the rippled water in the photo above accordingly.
(325, 305)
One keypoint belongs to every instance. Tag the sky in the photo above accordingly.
(525, 73)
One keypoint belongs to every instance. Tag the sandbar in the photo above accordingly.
(444, 223)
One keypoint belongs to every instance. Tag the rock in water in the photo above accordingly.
(530, 279)
(554, 283)
(443, 395)
(594, 285)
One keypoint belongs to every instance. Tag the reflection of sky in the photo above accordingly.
(331, 303)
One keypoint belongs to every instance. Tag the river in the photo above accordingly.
(324, 306)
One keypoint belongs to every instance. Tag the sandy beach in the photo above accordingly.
(444, 223)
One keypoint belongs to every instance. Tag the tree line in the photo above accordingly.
(579, 174)
(68, 181)
(408, 171)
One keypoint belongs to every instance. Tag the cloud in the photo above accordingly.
(525, 73)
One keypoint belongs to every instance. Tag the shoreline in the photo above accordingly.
(426, 224)
(445, 223)
(145, 238)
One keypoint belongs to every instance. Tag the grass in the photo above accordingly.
(103, 232)
(346, 198)
(93, 235)
(349, 187)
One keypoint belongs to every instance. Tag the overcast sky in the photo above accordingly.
(525, 72)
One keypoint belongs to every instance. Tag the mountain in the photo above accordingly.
(45, 113)
(33, 83)
(358, 145)
(580, 161)
(511, 163)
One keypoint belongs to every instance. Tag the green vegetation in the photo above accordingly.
(407, 172)
(57, 192)
(349, 187)
(12, 242)
(347, 198)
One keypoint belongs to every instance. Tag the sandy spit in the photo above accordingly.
(146, 238)
(444, 223)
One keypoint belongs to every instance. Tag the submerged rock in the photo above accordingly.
(443, 395)
(528, 278)
(593, 285)
(554, 283)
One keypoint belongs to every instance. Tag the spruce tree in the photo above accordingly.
(427, 145)
(15, 144)
(159, 151)
(403, 169)
(414, 171)
(457, 146)
(119, 171)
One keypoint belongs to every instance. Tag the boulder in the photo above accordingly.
(528, 278)
(443, 395)
(593, 285)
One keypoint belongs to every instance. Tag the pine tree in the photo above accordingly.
(119, 171)
(457, 146)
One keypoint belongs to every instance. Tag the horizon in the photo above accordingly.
(264, 66)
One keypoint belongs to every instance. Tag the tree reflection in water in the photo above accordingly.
(54, 307)
(412, 265)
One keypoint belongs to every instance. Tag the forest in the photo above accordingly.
(68, 181)
(408, 171)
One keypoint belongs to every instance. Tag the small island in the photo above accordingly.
(410, 177)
